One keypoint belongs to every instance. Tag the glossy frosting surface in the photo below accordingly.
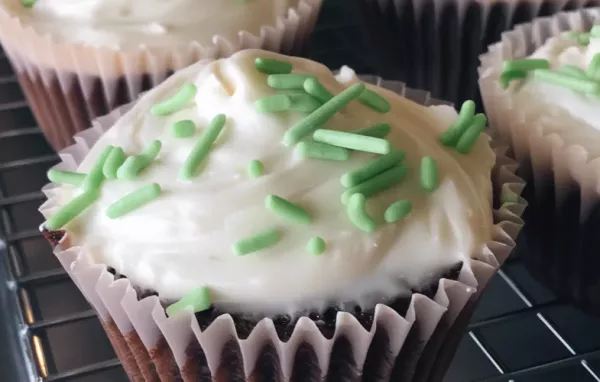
(129, 23)
(572, 115)
(183, 239)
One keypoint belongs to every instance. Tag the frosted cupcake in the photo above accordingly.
(258, 216)
(541, 88)
(77, 62)
(435, 44)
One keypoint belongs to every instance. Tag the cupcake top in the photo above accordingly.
(130, 23)
(249, 184)
(560, 85)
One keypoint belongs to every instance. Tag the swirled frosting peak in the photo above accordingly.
(559, 87)
(129, 23)
(270, 227)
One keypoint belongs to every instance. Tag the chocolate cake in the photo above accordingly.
(552, 126)
(210, 222)
(435, 44)
(64, 112)
(77, 62)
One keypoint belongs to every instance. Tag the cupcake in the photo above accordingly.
(257, 218)
(435, 44)
(540, 87)
(78, 62)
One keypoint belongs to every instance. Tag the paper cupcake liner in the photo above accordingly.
(435, 44)
(70, 84)
(560, 242)
(402, 344)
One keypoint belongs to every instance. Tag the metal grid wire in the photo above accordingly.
(519, 332)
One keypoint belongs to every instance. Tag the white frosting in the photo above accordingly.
(183, 239)
(129, 23)
(572, 115)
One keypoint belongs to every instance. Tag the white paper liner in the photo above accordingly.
(560, 170)
(512, 123)
(435, 44)
(70, 84)
(425, 318)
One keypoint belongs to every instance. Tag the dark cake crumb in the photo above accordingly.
(284, 324)
(53, 237)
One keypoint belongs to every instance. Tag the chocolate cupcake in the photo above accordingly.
(540, 87)
(77, 62)
(258, 218)
(435, 44)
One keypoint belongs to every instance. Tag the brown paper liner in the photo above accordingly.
(435, 44)
(70, 84)
(403, 342)
(560, 242)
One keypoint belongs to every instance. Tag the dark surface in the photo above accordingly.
(519, 331)
(435, 44)
(12, 351)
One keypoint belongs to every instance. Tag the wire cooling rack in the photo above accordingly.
(49, 333)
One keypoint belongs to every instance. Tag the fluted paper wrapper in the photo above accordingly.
(401, 346)
(560, 241)
(435, 44)
(70, 84)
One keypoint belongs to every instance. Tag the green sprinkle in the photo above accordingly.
(273, 104)
(272, 66)
(378, 183)
(574, 71)
(72, 209)
(526, 65)
(379, 130)
(202, 147)
(287, 81)
(287, 210)
(257, 242)
(96, 175)
(176, 102)
(357, 211)
(397, 211)
(66, 177)
(255, 168)
(372, 168)
(468, 139)
(304, 103)
(429, 174)
(595, 31)
(571, 34)
(509, 197)
(593, 70)
(197, 300)
(151, 152)
(322, 151)
(374, 101)
(133, 165)
(313, 87)
(462, 123)
(133, 201)
(316, 245)
(113, 162)
(353, 141)
(183, 129)
(322, 114)
(29, 3)
(507, 77)
(583, 39)
(566, 81)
